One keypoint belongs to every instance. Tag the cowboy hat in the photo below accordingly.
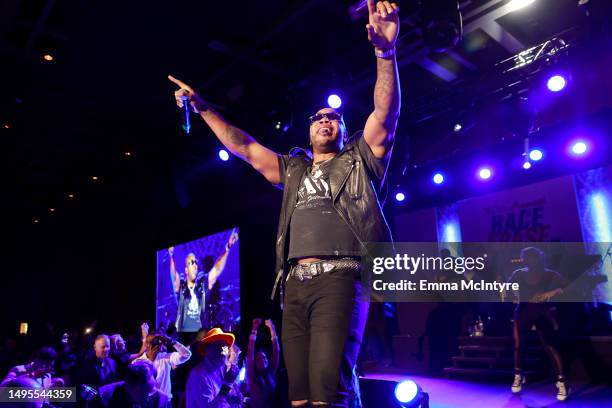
(216, 334)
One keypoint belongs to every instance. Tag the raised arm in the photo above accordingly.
(174, 276)
(144, 332)
(383, 28)
(181, 355)
(219, 266)
(237, 141)
(275, 346)
(250, 357)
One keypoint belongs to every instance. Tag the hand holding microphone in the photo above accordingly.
(187, 99)
(186, 119)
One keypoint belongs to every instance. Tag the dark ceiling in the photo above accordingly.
(105, 93)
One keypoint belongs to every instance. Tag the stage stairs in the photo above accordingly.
(492, 356)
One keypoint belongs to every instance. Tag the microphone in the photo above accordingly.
(186, 122)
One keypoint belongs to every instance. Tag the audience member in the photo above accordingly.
(138, 390)
(40, 369)
(232, 371)
(120, 353)
(261, 374)
(208, 385)
(156, 351)
(99, 369)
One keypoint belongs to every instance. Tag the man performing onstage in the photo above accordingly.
(191, 290)
(330, 210)
(537, 285)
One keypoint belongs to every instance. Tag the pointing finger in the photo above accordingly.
(179, 82)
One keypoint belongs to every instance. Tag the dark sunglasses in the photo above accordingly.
(329, 116)
(193, 262)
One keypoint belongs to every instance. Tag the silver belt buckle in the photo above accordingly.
(303, 272)
(308, 271)
(313, 270)
(327, 266)
(298, 273)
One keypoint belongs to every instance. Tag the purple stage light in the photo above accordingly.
(556, 83)
(400, 197)
(334, 101)
(223, 155)
(485, 173)
(526, 165)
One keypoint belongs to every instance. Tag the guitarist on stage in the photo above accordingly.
(537, 285)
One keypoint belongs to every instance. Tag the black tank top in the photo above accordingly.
(316, 228)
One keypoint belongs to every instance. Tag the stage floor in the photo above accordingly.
(447, 393)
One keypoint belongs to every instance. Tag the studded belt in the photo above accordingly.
(309, 270)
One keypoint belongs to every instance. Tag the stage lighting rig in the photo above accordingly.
(546, 51)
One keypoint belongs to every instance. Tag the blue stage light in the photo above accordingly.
(334, 101)
(400, 197)
(406, 391)
(223, 155)
(579, 148)
(526, 165)
(485, 173)
(438, 178)
(556, 83)
(535, 155)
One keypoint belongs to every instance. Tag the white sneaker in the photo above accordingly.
(517, 385)
(563, 390)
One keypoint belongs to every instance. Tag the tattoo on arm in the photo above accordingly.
(386, 90)
(238, 139)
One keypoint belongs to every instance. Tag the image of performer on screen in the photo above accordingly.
(192, 288)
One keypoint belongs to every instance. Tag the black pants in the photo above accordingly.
(323, 323)
(544, 319)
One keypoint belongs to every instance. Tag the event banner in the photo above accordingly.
(545, 211)
(484, 272)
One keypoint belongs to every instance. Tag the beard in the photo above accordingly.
(326, 145)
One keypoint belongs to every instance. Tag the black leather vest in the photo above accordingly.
(354, 195)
